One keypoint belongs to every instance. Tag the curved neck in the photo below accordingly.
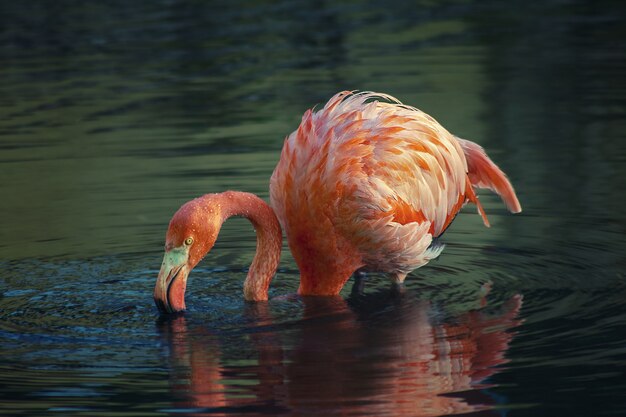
(268, 242)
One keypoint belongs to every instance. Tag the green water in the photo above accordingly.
(114, 114)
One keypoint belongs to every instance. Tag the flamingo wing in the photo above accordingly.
(382, 176)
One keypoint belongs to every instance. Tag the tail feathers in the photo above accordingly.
(483, 173)
(471, 196)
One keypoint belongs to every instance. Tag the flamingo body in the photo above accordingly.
(364, 183)
(367, 182)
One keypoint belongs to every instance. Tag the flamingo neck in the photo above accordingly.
(268, 243)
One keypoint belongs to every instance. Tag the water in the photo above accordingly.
(113, 115)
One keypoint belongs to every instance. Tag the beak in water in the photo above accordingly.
(169, 291)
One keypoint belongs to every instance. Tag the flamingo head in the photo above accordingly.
(190, 236)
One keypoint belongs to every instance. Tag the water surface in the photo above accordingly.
(113, 115)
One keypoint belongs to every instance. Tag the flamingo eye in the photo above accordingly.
(189, 241)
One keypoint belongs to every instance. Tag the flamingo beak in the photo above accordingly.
(169, 291)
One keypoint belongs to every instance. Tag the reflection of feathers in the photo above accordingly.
(370, 183)
(382, 354)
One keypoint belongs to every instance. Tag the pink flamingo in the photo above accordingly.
(365, 183)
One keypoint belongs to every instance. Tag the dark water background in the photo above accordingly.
(112, 114)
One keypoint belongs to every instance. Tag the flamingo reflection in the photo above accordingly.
(385, 354)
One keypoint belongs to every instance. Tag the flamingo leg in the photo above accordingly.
(397, 277)
(360, 277)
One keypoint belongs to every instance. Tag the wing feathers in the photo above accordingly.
(388, 176)
(483, 173)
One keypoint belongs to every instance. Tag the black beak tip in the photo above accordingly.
(165, 310)
(162, 306)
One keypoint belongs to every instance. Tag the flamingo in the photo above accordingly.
(364, 184)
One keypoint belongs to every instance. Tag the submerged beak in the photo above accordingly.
(169, 291)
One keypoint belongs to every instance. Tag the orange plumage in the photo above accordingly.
(368, 182)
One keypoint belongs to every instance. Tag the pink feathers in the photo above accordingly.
(483, 173)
